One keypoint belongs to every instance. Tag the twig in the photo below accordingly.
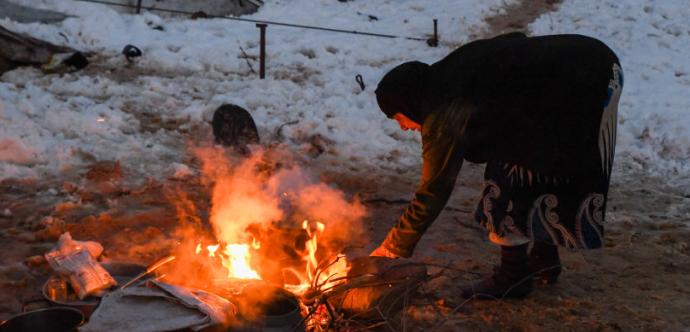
(450, 267)
(306, 317)
(246, 58)
(402, 316)
(499, 299)
(64, 36)
(386, 201)
(452, 312)
(330, 313)
(452, 208)
(366, 328)
(279, 131)
(385, 320)
(479, 230)
(321, 269)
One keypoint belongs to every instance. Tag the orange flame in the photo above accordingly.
(269, 190)
(237, 260)
(309, 279)
(212, 250)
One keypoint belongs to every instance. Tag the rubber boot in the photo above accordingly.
(544, 263)
(510, 280)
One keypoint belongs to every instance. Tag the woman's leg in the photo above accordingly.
(511, 279)
(544, 262)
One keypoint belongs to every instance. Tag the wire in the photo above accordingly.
(291, 25)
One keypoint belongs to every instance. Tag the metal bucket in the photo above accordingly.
(56, 319)
(278, 312)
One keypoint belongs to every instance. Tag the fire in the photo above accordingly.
(312, 246)
(258, 229)
(313, 277)
(212, 250)
(235, 258)
(237, 262)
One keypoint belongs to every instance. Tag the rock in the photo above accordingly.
(65, 206)
(34, 261)
(8, 304)
(70, 187)
(38, 249)
(54, 227)
(233, 126)
(16, 274)
(27, 237)
(181, 171)
(152, 232)
(104, 171)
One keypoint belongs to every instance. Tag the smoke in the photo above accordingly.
(241, 198)
(264, 199)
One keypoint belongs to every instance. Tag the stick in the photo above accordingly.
(152, 268)
(246, 58)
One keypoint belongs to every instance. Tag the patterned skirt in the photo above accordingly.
(519, 206)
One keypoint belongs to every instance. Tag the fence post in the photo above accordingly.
(433, 41)
(262, 50)
(138, 6)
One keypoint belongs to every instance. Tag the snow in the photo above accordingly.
(652, 40)
(193, 66)
(182, 171)
(147, 113)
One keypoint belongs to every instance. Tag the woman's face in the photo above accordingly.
(406, 123)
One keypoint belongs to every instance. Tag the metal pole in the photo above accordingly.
(138, 6)
(436, 30)
(262, 52)
(433, 41)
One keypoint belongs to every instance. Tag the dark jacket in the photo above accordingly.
(529, 101)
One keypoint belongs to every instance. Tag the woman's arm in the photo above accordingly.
(442, 160)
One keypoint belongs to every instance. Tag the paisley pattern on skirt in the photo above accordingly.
(570, 222)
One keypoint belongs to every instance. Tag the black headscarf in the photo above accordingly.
(402, 90)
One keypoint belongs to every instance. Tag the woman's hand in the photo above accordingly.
(381, 251)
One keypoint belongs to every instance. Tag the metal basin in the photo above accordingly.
(120, 271)
(275, 310)
(56, 319)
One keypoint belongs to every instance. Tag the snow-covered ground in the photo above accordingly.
(54, 123)
(652, 40)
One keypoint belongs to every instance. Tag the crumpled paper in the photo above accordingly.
(66, 244)
(76, 260)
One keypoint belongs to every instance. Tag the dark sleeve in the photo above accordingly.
(442, 160)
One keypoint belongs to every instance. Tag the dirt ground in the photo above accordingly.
(638, 282)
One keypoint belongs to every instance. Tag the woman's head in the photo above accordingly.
(402, 90)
